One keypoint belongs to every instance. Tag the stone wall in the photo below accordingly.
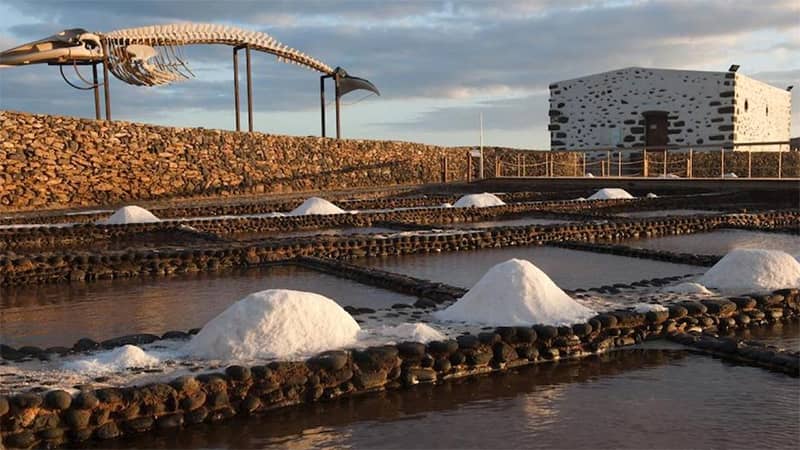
(52, 161)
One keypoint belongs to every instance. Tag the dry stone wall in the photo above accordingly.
(52, 161)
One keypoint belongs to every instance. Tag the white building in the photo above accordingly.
(639, 107)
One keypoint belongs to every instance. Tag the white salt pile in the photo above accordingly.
(589, 175)
(516, 292)
(731, 175)
(749, 270)
(120, 358)
(651, 195)
(130, 214)
(318, 206)
(276, 323)
(416, 332)
(687, 288)
(610, 193)
(478, 201)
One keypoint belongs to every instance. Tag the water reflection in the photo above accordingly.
(59, 314)
(631, 399)
(721, 242)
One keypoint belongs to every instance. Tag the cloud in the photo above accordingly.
(467, 56)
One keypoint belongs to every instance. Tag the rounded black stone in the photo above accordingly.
(168, 421)
(3, 405)
(85, 344)
(411, 349)
(467, 341)
(442, 365)
(545, 331)
(59, 400)
(182, 335)
(196, 416)
(507, 334)
(85, 400)
(28, 400)
(525, 334)
(607, 320)
(24, 439)
(331, 360)
(442, 347)
(238, 373)
(457, 358)
(108, 430)
(77, 418)
(489, 338)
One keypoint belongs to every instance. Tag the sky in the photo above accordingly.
(438, 64)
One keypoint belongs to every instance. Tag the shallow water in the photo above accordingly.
(507, 223)
(631, 399)
(668, 212)
(570, 269)
(782, 335)
(59, 314)
(721, 242)
(326, 232)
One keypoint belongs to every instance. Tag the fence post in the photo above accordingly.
(689, 165)
(619, 163)
(553, 165)
(749, 163)
(780, 162)
(584, 164)
(444, 168)
(722, 162)
(575, 165)
(524, 163)
(497, 166)
(644, 163)
(665, 163)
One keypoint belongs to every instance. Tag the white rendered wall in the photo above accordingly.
(605, 110)
(763, 114)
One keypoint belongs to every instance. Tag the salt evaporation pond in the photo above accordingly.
(51, 315)
(627, 399)
(721, 242)
(520, 222)
(570, 269)
(345, 231)
(668, 212)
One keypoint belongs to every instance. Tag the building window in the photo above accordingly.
(745, 106)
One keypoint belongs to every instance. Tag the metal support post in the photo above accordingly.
(249, 90)
(619, 163)
(780, 162)
(236, 87)
(722, 162)
(665, 163)
(106, 85)
(322, 102)
(338, 107)
(96, 91)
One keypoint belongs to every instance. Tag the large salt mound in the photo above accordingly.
(747, 270)
(478, 201)
(276, 323)
(516, 292)
(610, 193)
(118, 359)
(130, 214)
(318, 206)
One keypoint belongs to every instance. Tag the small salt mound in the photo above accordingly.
(318, 206)
(478, 201)
(130, 214)
(516, 292)
(589, 175)
(643, 308)
(118, 359)
(651, 195)
(747, 270)
(610, 193)
(276, 323)
(416, 332)
(447, 205)
(731, 175)
(687, 288)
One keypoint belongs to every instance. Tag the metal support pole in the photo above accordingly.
(722, 162)
(547, 164)
(524, 164)
(689, 165)
(780, 162)
(338, 107)
(96, 91)
(236, 87)
(665, 163)
(749, 164)
(619, 163)
(106, 85)
(249, 91)
(444, 168)
(497, 173)
(519, 165)
(322, 102)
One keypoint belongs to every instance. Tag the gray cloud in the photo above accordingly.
(411, 50)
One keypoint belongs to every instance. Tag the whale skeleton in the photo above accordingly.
(152, 56)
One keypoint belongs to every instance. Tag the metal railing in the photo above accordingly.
(699, 161)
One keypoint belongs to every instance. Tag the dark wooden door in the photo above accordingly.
(655, 126)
